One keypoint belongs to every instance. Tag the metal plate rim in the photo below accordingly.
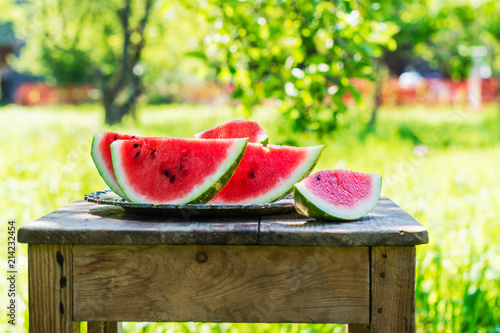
(107, 197)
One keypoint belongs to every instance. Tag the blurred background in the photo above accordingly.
(405, 89)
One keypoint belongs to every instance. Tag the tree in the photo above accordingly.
(300, 53)
(107, 39)
(490, 11)
(434, 37)
(86, 42)
(126, 80)
(81, 41)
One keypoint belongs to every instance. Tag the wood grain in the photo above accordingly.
(221, 284)
(393, 289)
(357, 328)
(104, 327)
(50, 289)
(386, 225)
(86, 223)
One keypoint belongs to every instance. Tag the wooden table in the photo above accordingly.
(104, 265)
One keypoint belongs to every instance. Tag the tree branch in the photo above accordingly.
(140, 30)
(136, 88)
(124, 15)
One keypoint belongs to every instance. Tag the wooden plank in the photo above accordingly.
(386, 225)
(221, 284)
(50, 289)
(393, 289)
(86, 223)
(104, 327)
(357, 328)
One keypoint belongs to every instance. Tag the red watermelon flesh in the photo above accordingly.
(338, 194)
(265, 174)
(101, 155)
(236, 129)
(173, 170)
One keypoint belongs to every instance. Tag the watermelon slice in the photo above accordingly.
(173, 170)
(337, 194)
(236, 129)
(101, 155)
(266, 174)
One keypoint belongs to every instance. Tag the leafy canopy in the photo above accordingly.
(301, 54)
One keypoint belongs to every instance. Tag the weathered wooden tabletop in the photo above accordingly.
(82, 222)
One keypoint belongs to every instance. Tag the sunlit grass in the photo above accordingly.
(453, 190)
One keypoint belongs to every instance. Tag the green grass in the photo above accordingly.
(453, 190)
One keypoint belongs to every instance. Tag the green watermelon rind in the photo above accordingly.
(264, 140)
(95, 152)
(205, 191)
(287, 185)
(306, 174)
(309, 204)
(218, 185)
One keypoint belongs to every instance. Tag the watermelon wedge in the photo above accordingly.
(337, 194)
(173, 170)
(101, 155)
(236, 129)
(266, 174)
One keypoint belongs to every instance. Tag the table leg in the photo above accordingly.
(50, 285)
(392, 289)
(104, 327)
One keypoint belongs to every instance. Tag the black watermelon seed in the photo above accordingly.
(252, 175)
(317, 177)
(166, 173)
(152, 152)
(136, 145)
(137, 154)
(133, 136)
(172, 179)
(180, 168)
(115, 138)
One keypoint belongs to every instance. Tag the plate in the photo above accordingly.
(107, 197)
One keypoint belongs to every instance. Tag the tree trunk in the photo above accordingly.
(376, 103)
(381, 74)
(114, 113)
(120, 92)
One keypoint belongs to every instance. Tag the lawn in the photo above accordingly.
(441, 166)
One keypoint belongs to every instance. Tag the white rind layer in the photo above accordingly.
(96, 154)
(233, 153)
(285, 184)
(261, 137)
(198, 135)
(131, 195)
(360, 208)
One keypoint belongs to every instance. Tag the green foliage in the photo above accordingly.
(68, 40)
(67, 67)
(445, 33)
(453, 190)
(83, 37)
(490, 11)
(299, 53)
